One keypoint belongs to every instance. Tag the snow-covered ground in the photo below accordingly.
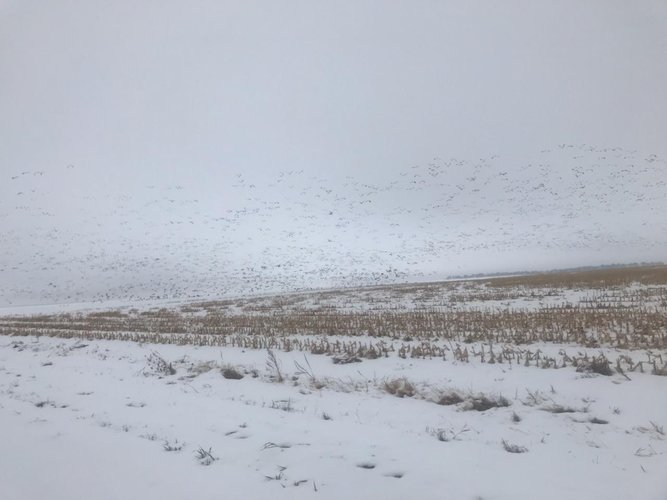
(182, 181)
(93, 419)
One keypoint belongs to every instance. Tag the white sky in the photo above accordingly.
(139, 97)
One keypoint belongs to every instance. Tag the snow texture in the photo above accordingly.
(96, 419)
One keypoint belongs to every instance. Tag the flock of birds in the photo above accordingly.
(68, 236)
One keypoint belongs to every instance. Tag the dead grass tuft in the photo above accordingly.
(202, 367)
(231, 373)
(599, 364)
(557, 408)
(513, 448)
(596, 420)
(483, 402)
(448, 398)
(158, 365)
(400, 387)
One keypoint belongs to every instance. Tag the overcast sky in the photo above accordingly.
(115, 98)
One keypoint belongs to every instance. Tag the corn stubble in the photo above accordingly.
(444, 320)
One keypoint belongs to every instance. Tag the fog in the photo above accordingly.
(207, 148)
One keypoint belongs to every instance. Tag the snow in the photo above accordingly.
(234, 161)
(80, 417)
(204, 150)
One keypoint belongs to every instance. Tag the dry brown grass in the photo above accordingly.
(440, 322)
(595, 278)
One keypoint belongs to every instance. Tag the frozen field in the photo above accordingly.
(81, 417)
(234, 237)
(382, 415)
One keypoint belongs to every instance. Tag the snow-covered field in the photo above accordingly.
(94, 419)
(230, 234)
(393, 410)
